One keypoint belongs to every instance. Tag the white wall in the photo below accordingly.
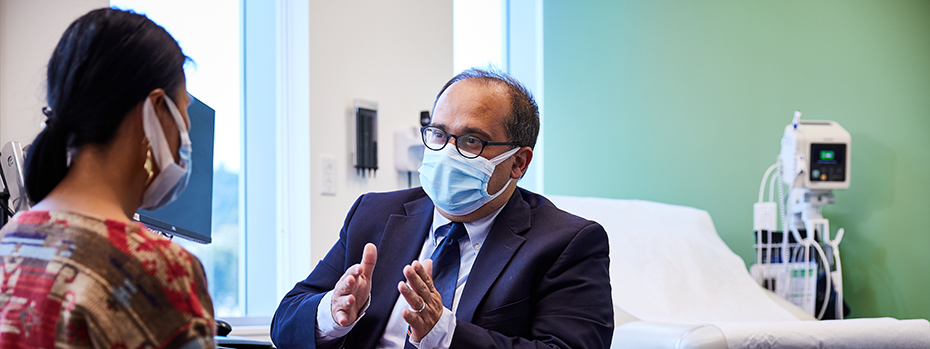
(396, 53)
(29, 31)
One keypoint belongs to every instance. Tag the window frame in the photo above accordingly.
(275, 203)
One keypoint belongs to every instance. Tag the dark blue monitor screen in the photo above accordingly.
(189, 216)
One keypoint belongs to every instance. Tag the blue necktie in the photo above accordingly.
(446, 260)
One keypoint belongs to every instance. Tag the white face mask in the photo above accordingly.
(172, 177)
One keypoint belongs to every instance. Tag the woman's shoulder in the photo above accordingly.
(175, 267)
(179, 273)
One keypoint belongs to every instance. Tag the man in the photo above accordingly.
(523, 273)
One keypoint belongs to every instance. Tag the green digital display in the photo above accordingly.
(828, 162)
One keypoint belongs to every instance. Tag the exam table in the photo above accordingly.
(676, 284)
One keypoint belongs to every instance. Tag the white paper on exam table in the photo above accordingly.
(669, 265)
(834, 334)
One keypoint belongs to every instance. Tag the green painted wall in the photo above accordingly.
(684, 102)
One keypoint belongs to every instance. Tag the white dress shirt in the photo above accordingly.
(395, 334)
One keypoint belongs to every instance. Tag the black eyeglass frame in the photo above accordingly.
(449, 136)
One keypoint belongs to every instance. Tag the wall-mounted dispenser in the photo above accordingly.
(364, 121)
(408, 148)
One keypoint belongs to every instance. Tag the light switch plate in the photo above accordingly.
(328, 175)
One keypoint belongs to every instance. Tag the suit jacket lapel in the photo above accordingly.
(403, 236)
(500, 246)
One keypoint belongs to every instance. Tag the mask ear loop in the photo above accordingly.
(497, 160)
(503, 157)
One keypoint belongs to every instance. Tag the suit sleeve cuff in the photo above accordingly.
(440, 337)
(326, 328)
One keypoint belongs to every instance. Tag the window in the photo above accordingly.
(213, 43)
(507, 34)
(478, 34)
(247, 66)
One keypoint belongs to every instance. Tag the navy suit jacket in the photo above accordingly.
(540, 280)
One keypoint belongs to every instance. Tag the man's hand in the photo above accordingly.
(424, 300)
(353, 289)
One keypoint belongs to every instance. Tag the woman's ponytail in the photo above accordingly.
(46, 161)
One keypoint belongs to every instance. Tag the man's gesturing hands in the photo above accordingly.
(353, 289)
(422, 297)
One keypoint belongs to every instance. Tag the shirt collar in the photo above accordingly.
(477, 230)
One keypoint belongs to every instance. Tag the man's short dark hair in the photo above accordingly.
(523, 124)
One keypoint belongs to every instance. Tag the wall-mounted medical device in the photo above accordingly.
(364, 123)
(408, 148)
(814, 160)
(13, 194)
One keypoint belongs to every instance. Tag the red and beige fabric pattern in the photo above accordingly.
(74, 281)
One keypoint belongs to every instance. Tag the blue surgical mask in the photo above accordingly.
(457, 185)
(172, 177)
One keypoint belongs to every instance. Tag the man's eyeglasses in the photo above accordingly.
(468, 145)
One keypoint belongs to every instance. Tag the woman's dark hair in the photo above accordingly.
(105, 63)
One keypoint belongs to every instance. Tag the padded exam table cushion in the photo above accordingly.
(676, 284)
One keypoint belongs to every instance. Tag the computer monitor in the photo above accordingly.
(190, 215)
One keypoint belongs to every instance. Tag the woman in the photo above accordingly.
(77, 271)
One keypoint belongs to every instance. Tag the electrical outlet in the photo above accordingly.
(328, 178)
